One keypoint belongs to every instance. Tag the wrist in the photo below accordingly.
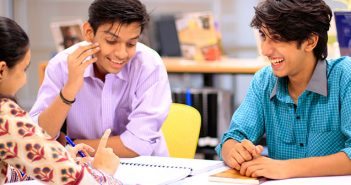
(65, 100)
(292, 168)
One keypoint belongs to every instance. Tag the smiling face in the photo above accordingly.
(288, 58)
(11, 80)
(118, 45)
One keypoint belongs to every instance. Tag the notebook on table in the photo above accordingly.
(161, 170)
(232, 176)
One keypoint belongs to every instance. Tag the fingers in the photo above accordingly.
(87, 55)
(244, 153)
(82, 54)
(82, 49)
(80, 147)
(88, 62)
(84, 147)
(248, 145)
(104, 139)
(233, 163)
(257, 152)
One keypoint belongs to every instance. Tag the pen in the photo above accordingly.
(70, 142)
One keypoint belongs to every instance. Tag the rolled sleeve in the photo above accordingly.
(136, 144)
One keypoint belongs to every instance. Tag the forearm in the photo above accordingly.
(52, 118)
(335, 164)
(114, 142)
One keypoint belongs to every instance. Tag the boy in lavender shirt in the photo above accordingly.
(110, 81)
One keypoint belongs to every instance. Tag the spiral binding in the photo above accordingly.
(155, 165)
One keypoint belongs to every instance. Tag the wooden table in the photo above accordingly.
(208, 68)
(226, 65)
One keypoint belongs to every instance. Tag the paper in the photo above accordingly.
(161, 170)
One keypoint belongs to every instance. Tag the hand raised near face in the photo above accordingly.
(78, 61)
(105, 160)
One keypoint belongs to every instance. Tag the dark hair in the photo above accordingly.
(14, 44)
(122, 11)
(295, 20)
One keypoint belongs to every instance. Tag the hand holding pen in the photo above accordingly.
(80, 148)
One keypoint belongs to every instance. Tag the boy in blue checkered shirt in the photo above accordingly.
(302, 102)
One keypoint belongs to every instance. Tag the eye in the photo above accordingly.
(111, 41)
(130, 45)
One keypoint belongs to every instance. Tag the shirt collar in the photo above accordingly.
(89, 72)
(318, 83)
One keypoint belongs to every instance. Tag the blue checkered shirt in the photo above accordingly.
(318, 125)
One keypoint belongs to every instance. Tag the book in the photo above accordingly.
(232, 176)
(198, 36)
(161, 170)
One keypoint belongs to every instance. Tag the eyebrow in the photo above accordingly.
(114, 35)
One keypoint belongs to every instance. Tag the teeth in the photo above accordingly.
(276, 61)
(116, 62)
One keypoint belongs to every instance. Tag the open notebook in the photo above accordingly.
(161, 170)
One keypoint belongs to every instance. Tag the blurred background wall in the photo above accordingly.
(233, 17)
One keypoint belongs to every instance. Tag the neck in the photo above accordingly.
(98, 73)
(299, 81)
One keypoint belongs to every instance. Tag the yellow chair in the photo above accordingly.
(181, 130)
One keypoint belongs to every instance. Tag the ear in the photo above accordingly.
(311, 42)
(88, 32)
(3, 70)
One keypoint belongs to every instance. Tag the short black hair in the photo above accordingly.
(295, 20)
(14, 42)
(122, 11)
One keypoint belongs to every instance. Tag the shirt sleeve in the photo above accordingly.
(30, 150)
(346, 113)
(54, 80)
(150, 106)
(248, 120)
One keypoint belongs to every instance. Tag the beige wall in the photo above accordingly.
(35, 16)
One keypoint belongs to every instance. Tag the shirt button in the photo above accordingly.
(301, 144)
(298, 117)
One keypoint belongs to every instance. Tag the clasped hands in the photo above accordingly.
(105, 159)
(246, 158)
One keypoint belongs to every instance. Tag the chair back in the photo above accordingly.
(181, 130)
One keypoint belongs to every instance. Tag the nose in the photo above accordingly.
(266, 47)
(121, 51)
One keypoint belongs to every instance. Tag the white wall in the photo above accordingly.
(6, 8)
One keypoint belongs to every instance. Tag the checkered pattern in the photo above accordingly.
(317, 126)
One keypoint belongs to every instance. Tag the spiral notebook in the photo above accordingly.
(161, 170)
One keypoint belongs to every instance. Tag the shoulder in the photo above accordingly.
(9, 107)
(339, 68)
(339, 75)
(145, 56)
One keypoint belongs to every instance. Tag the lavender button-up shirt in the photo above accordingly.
(134, 103)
